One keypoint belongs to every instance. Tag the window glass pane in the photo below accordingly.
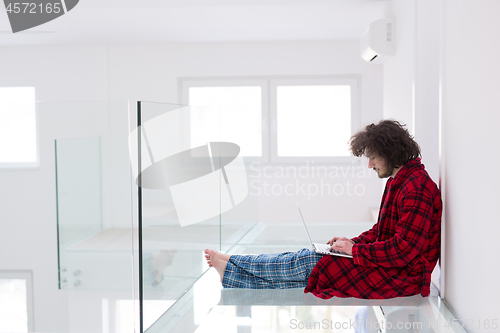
(240, 117)
(13, 305)
(17, 125)
(313, 120)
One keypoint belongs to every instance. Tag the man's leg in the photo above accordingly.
(235, 277)
(283, 270)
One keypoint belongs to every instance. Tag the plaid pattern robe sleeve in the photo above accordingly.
(367, 237)
(397, 255)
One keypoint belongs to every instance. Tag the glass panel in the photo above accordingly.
(340, 317)
(93, 196)
(240, 115)
(313, 120)
(193, 195)
(78, 170)
(86, 144)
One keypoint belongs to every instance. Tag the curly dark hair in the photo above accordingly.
(389, 139)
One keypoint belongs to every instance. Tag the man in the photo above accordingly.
(394, 258)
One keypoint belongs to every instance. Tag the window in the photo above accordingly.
(238, 105)
(312, 119)
(16, 301)
(18, 127)
(243, 109)
(281, 120)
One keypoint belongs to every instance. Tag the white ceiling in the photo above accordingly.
(181, 21)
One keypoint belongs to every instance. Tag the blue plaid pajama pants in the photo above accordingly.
(270, 271)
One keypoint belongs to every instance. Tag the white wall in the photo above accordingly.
(399, 71)
(471, 85)
(427, 79)
(411, 77)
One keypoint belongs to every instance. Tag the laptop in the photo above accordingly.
(322, 248)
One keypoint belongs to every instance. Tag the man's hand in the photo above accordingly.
(335, 239)
(342, 244)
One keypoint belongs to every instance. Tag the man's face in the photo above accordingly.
(378, 164)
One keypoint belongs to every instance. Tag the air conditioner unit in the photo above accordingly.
(377, 43)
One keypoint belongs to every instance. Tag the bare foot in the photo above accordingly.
(214, 260)
(215, 254)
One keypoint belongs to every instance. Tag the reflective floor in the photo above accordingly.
(207, 307)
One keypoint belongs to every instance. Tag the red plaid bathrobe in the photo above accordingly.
(397, 255)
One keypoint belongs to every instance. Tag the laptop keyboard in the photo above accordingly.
(322, 247)
(326, 248)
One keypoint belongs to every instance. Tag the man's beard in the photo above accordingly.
(385, 173)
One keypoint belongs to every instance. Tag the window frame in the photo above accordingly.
(13, 166)
(269, 86)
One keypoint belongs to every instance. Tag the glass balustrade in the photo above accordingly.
(86, 142)
(193, 195)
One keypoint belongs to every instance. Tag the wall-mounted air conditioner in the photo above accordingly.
(377, 43)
